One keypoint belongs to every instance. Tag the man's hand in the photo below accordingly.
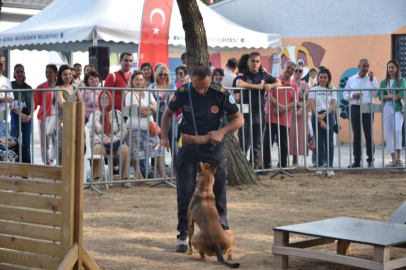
(371, 76)
(260, 86)
(163, 142)
(267, 87)
(323, 125)
(356, 95)
(215, 136)
(106, 141)
(282, 109)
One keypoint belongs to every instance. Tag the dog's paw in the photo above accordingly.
(190, 252)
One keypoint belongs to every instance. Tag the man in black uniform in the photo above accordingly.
(259, 81)
(209, 102)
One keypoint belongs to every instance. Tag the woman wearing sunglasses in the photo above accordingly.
(302, 111)
(162, 81)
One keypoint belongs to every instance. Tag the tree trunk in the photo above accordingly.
(197, 50)
(239, 170)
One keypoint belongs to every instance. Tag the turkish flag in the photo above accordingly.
(154, 36)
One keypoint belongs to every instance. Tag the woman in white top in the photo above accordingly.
(141, 145)
(324, 101)
(393, 80)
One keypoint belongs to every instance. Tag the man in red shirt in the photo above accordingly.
(120, 78)
(288, 70)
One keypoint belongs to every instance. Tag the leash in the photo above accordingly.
(193, 115)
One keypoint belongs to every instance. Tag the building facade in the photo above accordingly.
(335, 34)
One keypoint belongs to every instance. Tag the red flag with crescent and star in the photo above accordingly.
(154, 35)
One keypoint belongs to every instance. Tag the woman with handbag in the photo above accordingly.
(141, 142)
(393, 79)
(302, 112)
(51, 72)
(102, 135)
(64, 82)
(24, 110)
(162, 81)
(325, 104)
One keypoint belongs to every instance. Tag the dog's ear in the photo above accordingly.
(215, 166)
(200, 169)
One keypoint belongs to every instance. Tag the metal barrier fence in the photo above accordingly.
(370, 109)
(247, 110)
(128, 112)
(246, 107)
(17, 105)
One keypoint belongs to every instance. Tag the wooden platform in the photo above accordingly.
(343, 231)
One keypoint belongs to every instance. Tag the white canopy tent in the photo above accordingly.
(77, 24)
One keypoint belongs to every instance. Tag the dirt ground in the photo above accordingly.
(136, 228)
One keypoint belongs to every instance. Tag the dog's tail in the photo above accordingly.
(220, 258)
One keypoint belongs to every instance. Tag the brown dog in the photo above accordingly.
(212, 238)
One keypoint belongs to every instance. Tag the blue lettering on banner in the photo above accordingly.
(214, 39)
(32, 37)
(225, 40)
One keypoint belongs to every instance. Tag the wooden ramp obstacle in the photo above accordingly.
(46, 231)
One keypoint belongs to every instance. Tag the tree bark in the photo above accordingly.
(239, 170)
(197, 50)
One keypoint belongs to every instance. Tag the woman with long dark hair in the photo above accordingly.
(148, 73)
(24, 110)
(64, 82)
(393, 79)
(325, 104)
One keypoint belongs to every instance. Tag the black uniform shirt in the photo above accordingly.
(208, 109)
(261, 77)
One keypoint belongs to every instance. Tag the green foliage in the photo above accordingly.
(114, 59)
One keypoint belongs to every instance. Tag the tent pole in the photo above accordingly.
(94, 37)
(8, 61)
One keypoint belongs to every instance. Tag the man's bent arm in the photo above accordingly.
(166, 120)
(291, 106)
(242, 84)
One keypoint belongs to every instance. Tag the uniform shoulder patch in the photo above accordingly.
(183, 89)
(218, 88)
(240, 74)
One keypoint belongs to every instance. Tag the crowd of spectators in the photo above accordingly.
(270, 117)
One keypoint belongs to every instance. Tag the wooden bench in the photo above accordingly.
(45, 231)
(343, 231)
